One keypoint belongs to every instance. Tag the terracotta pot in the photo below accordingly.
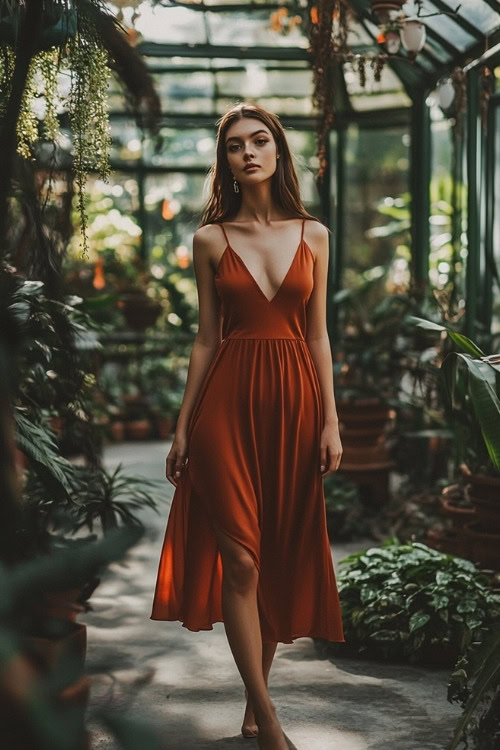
(117, 430)
(484, 546)
(362, 421)
(459, 516)
(61, 604)
(449, 541)
(138, 429)
(139, 311)
(164, 427)
(484, 494)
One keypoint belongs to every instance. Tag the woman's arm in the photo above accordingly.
(319, 346)
(204, 347)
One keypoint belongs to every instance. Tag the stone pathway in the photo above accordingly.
(187, 685)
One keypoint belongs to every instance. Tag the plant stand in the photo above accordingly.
(371, 478)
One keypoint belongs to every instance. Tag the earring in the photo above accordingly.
(235, 186)
(278, 156)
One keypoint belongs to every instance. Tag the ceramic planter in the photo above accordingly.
(484, 546)
(164, 427)
(117, 430)
(138, 429)
(459, 516)
(484, 494)
(139, 311)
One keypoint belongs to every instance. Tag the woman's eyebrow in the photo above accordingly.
(237, 138)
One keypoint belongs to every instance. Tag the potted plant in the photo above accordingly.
(408, 601)
(473, 386)
(367, 383)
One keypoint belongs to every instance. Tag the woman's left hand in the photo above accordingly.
(330, 449)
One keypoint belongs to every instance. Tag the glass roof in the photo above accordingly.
(209, 53)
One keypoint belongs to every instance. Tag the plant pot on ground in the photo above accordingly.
(410, 602)
(472, 381)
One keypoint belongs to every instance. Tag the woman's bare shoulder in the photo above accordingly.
(315, 229)
(208, 236)
(316, 236)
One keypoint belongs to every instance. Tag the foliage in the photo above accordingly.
(409, 515)
(400, 600)
(49, 722)
(480, 721)
(473, 387)
(346, 515)
(372, 342)
(83, 39)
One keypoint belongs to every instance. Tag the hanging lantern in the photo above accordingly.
(392, 42)
(384, 9)
(413, 36)
(446, 94)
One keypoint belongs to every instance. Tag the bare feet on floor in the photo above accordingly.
(249, 727)
(270, 734)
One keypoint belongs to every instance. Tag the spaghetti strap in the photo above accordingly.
(302, 235)
(225, 235)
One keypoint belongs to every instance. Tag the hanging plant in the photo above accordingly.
(82, 39)
(329, 29)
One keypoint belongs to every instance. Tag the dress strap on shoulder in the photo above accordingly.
(302, 235)
(225, 235)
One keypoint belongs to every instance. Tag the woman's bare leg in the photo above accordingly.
(268, 651)
(242, 625)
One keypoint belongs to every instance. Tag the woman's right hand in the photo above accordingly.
(176, 459)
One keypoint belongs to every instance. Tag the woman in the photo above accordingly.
(246, 541)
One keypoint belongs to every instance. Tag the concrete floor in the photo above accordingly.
(186, 685)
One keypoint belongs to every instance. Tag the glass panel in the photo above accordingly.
(191, 147)
(287, 105)
(170, 25)
(256, 29)
(376, 240)
(189, 92)
(495, 328)
(446, 263)
(173, 204)
(447, 28)
(256, 81)
(478, 13)
(126, 141)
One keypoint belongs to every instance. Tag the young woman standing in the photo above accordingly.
(246, 542)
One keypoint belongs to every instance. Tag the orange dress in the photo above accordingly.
(253, 467)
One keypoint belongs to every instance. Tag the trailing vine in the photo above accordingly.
(329, 28)
(81, 39)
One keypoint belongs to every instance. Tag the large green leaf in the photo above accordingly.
(465, 344)
(487, 668)
(481, 387)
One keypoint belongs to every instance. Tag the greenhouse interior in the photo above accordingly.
(109, 114)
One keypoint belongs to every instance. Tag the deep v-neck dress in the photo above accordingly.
(253, 467)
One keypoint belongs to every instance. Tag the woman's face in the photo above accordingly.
(249, 141)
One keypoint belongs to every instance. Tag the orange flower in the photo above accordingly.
(314, 14)
(381, 38)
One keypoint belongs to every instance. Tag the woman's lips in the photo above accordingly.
(250, 168)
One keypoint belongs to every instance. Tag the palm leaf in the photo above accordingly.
(484, 398)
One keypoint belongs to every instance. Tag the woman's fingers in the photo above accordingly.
(174, 464)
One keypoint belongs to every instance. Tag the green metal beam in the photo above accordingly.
(155, 49)
(420, 176)
(337, 255)
(473, 202)
(490, 260)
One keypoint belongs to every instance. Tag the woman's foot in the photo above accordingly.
(249, 728)
(270, 736)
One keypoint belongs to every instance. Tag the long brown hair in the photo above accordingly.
(223, 203)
